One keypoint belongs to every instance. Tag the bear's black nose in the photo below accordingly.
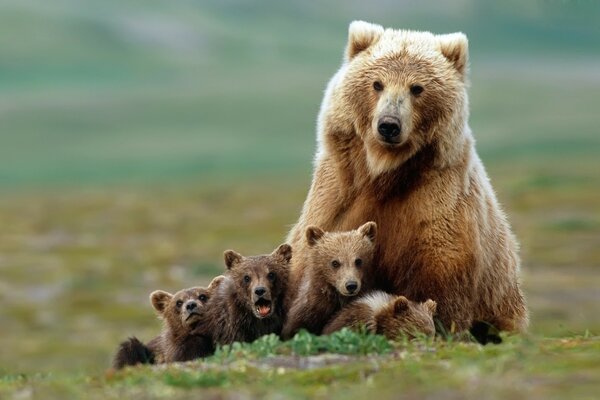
(260, 291)
(351, 286)
(191, 306)
(389, 128)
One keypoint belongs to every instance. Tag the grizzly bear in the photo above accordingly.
(337, 267)
(385, 314)
(250, 301)
(180, 313)
(395, 147)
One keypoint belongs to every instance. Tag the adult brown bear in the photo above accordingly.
(395, 148)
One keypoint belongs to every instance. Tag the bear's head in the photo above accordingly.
(260, 281)
(403, 92)
(402, 317)
(341, 259)
(181, 311)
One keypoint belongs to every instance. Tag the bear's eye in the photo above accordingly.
(246, 279)
(335, 264)
(271, 276)
(378, 86)
(358, 262)
(179, 303)
(416, 90)
(202, 297)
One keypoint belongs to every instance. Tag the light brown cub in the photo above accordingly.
(337, 268)
(386, 314)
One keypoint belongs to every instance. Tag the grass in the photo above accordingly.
(78, 270)
(306, 344)
(522, 367)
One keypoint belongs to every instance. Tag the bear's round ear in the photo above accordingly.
(314, 234)
(431, 306)
(232, 258)
(361, 36)
(160, 299)
(216, 282)
(400, 305)
(455, 47)
(283, 253)
(369, 230)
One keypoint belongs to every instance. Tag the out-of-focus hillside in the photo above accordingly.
(127, 91)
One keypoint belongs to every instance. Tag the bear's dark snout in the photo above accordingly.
(260, 291)
(351, 286)
(389, 128)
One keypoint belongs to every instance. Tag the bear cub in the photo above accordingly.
(177, 342)
(386, 314)
(250, 301)
(337, 268)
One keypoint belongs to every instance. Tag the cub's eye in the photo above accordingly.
(202, 297)
(358, 262)
(179, 303)
(271, 276)
(416, 90)
(378, 86)
(335, 264)
(246, 279)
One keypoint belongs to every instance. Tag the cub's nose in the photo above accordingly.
(351, 286)
(388, 128)
(191, 306)
(260, 291)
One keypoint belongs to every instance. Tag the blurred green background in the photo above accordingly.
(140, 139)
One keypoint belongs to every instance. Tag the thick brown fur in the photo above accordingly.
(320, 286)
(180, 313)
(132, 352)
(442, 233)
(393, 316)
(252, 285)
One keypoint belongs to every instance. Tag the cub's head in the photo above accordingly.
(406, 90)
(182, 310)
(260, 281)
(342, 258)
(402, 317)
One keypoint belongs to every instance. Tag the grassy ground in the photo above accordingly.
(354, 367)
(77, 272)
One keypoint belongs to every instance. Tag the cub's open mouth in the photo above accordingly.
(262, 308)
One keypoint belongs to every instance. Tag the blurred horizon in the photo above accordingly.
(95, 93)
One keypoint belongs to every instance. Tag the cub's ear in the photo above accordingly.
(314, 234)
(283, 253)
(216, 282)
(431, 306)
(232, 258)
(400, 305)
(369, 230)
(455, 47)
(361, 36)
(160, 299)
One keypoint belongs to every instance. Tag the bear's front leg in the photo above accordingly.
(308, 313)
(292, 324)
(451, 282)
